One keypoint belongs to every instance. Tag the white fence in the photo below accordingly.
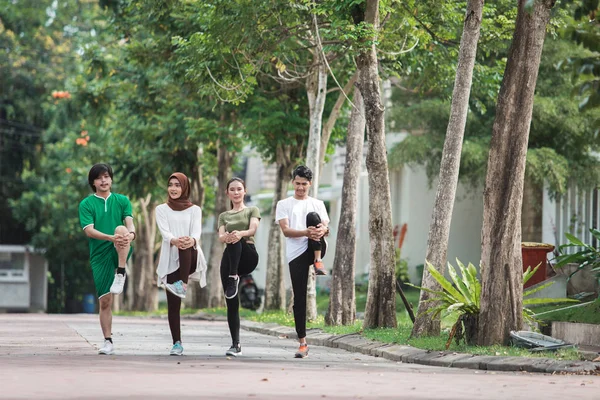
(575, 212)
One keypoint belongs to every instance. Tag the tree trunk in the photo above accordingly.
(197, 179)
(214, 287)
(333, 116)
(342, 305)
(502, 274)
(194, 297)
(380, 310)
(144, 284)
(316, 89)
(275, 284)
(439, 229)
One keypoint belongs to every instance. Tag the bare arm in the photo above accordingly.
(238, 235)
(224, 237)
(292, 233)
(130, 227)
(93, 233)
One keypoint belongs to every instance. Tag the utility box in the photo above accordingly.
(535, 254)
(23, 279)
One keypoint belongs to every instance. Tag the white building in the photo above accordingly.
(23, 279)
(412, 203)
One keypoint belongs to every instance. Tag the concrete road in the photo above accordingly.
(55, 357)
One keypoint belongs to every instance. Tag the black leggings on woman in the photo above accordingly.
(187, 266)
(299, 275)
(242, 258)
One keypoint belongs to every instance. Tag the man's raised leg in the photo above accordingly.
(122, 252)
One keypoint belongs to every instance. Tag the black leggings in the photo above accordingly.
(187, 266)
(244, 258)
(299, 274)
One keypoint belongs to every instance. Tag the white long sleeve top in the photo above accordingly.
(174, 224)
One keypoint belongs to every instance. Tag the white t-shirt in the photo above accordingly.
(295, 211)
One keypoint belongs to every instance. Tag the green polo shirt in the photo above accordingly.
(239, 220)
(105, 216)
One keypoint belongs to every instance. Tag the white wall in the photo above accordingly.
(413, 202)
(14, 295)
(38, 278)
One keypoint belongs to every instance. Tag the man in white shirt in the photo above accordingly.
(303, 221)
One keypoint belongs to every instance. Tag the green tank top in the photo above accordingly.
(239, 220)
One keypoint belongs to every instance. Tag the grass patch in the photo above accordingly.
(587, 314)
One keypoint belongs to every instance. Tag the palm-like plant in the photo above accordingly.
(586, 256)
(462, 296)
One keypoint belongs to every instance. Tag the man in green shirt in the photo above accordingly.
(107, 221)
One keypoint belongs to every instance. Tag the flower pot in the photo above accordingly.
(535, 254)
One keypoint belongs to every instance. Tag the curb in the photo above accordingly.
(411, 355)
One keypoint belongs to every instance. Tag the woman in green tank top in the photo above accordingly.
(236, 229)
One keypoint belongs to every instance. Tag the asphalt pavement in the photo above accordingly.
(55, 357)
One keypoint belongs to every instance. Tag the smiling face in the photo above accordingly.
(301, 186)
(103, 183)
(174, 188)
(236, 192)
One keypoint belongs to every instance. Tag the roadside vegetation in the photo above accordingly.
(399, 335)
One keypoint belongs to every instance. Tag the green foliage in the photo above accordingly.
(462, 295)
(39, 41)
(528, 314)
(586, 68)
(562, 139)
(544, 165)
(585, 255)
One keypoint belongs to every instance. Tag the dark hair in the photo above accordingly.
(229, 182)
(96, 171)
(303, 172)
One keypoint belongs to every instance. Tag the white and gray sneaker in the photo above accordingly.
(177, 349)
(177, 289)
(234, 350)
(107, 349)
(117, 285)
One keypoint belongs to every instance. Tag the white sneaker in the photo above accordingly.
(118, 283)
(177, 349)
(107, 349)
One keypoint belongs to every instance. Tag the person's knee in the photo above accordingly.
(313, 219)
(121, 230)
(105, 302)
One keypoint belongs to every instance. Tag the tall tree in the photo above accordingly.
(316, 89)
(214, 293)
(502, 274)
(380, 310)
(277, 126)
(439, 229)
(342, 299)
(275, 295)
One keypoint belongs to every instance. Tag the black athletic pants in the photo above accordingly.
(242, 258)
(299, 274)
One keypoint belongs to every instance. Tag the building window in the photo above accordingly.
(12, 266)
